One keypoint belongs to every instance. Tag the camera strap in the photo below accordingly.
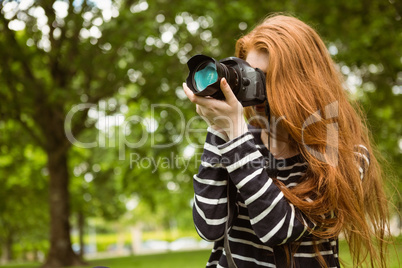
(230, 209)
(267, 110)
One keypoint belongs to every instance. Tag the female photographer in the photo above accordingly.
(295, 177)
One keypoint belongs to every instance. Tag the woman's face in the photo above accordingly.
(258, 59)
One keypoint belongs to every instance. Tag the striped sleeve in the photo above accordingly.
(210, 201)
(274, 220)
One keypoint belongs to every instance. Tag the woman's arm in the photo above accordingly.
(210, 201)
(274, 220)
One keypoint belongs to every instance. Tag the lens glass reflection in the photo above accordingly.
(206, 76)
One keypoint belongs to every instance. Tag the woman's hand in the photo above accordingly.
(223, 115)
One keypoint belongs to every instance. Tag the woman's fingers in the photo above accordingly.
(223, 114)
(204, 101)
(190, 95)
(194, 98)
(227, 91)
(213, 107)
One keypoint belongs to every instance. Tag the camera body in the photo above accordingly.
(246, 82)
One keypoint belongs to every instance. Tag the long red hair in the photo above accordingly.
(306, 90)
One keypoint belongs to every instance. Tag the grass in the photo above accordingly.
(394, 260)
(195, 259)
(166, 260)
(191, 259)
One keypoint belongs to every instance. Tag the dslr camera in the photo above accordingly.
(246, 82)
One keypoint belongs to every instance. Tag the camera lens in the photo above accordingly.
(247, 83)
(205, 75)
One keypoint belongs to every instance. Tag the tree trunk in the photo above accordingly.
(400, 217)
(60, 252)
(81, 224)
(7, 250)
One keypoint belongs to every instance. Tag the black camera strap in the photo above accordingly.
(230, 208)
(267, 110)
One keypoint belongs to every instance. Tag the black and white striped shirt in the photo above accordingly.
(263, 217)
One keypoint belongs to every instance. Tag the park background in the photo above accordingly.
(98, 143)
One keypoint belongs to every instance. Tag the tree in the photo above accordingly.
(23, 216)
(58, 55)
(49, 67)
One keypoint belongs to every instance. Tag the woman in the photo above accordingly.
(300, 177)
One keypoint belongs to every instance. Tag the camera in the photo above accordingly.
(246, 82)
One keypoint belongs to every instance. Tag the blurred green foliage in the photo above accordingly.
(127, 59)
